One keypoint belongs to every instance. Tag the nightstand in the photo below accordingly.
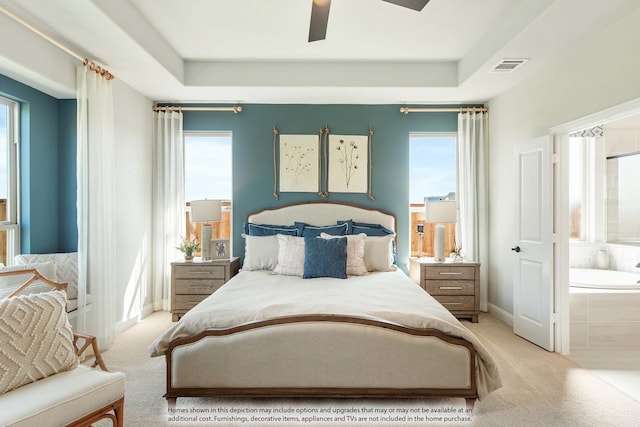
(456, 285)
(191, 282)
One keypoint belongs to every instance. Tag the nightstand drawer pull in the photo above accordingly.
(451, 303)
(450, 273)
(450, 288)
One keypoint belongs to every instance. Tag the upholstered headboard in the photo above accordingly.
(322, 213)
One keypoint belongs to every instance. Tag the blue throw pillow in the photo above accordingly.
(270, 230)
(315, 231)
(325, 258)
(369, 229)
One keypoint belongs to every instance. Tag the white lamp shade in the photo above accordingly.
(206, 210)
(440, 212)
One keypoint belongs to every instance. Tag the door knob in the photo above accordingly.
(516, 249)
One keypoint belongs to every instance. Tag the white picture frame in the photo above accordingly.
(299, 163)
(219, 249)
(348, 163)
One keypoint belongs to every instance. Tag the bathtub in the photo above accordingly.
(603, 279)
(604, 309)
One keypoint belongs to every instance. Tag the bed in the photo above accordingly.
(374, 333)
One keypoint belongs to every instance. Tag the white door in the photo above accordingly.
(533, 245)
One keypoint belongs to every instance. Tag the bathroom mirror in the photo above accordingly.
(623, 198)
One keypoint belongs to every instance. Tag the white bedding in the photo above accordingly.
(392, 296)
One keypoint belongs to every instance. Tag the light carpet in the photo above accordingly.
(539, 389)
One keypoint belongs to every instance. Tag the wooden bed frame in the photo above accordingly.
(199, 366)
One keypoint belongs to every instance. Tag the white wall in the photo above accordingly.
(133, 135)
(599, 73)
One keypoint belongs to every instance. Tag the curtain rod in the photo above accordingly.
(407, 110)
(236, 108)
(85, 61)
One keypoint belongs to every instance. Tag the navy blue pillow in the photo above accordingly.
(315, 231)
(325, 258)
(369, 229)
(269, 230)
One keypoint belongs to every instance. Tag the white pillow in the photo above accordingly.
(378, 253)
(355, 252)
(290, 255)
(260, 252)
(36, 337)
(8, 284)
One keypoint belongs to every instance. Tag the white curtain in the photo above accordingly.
(96, 207)
(168, 202)
(473, 141)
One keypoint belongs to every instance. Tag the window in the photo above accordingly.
(8, 181)
(581, 187)
(432, 176)
(207, 166)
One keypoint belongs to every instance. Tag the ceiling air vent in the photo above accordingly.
(508, 65)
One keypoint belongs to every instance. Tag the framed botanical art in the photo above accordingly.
(348, 163)
(299, 163)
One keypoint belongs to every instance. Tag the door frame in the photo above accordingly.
(559, 135)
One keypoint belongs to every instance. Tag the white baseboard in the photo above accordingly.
(501, 314)
(126, 324)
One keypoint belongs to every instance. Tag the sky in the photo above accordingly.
(432, 166)
(207, 167)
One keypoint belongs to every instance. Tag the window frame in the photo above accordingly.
(416, 210)
(12, 224)
(194, 230)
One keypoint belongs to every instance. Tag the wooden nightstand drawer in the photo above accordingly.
(455, 284)
(455, 303)
(192, 286)
(450, 287)
(191, 282)
(449, 273)
(200, 272)
(187, 302)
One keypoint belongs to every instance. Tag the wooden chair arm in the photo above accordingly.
(82, 341)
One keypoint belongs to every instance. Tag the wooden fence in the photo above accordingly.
(418, 217)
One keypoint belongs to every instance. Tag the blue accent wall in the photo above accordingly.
(253, 154)
(67, 177)
(42, 124)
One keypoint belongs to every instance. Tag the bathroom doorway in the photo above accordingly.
(600, 327)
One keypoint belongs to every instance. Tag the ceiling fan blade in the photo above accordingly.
(411, 4)
(319, 20)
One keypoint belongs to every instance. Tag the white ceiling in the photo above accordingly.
(375, 52)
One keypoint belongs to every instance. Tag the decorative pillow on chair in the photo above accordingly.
(290, 256)
(325, 257)
(355, 253)
(260, 252)
(36, 337)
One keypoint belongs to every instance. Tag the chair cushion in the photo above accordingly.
(61, 398)
(36, 338)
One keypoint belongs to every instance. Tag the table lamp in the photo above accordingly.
(440, 212)
(206, 211)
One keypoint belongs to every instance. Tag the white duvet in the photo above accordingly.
(392, 296)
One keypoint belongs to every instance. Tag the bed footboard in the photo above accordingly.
(321, 356)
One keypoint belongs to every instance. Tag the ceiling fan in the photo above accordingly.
(320, 15)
